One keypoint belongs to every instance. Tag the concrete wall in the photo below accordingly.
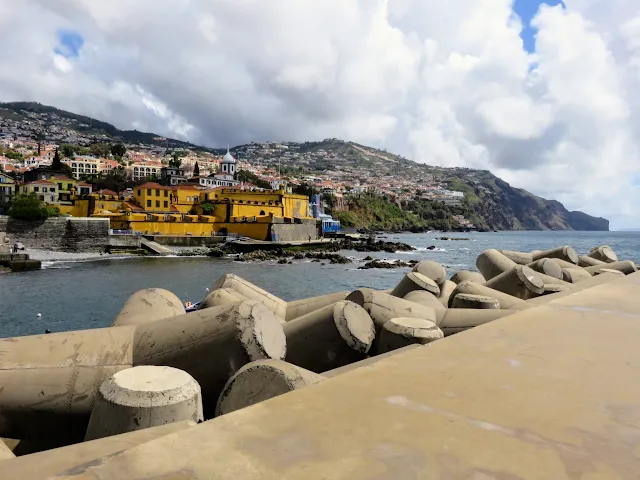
(291, 232)
(124, 241)
(188, 241)
(65, 234)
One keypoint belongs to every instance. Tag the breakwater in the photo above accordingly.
(209, 363)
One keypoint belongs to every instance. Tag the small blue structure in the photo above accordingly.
(329, 225)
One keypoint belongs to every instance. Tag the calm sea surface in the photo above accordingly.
(80, 291)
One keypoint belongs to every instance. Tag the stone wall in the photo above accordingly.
(67, 234)
(293, 232)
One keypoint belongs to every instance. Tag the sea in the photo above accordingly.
(82, 291)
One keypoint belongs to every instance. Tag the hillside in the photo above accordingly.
(489, 202)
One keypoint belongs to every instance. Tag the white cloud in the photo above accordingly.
(443, 85)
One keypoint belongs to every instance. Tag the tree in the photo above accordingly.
(196, 170)
(118, 150)
(14, 155)
(175, 162)
(68, 151)
(28, 207)
(100, 149)
(56, 164)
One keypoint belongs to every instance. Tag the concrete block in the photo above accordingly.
(457, 320)
(626, 267)
(585, 261)
(433, 270)
(575, 275)
(24, 265)
(367, 362)
(330, 337)
(564, 253)
(520, 281)
(253, 292)
(492, 263)
(610, 271)
(400, 332)
(5, 453)
(521, 258)
(446, 289)
(149, 305)
(507, 302)
(144, 397)
(604, 253)
(261, 380)
(415, 281)
(222, 296)
(468, 300)
(564, 264)
(547, 266)
(383, 307)
(578, 287)
(427, 299)
(462, 275)
(550, 288)
(298, 308)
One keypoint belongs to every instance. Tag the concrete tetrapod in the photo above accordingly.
(564, 264)
(433, 270)
(253, 292)
(584, 284)
(625, 266)
(261, 380)
(298, 308)
(551, 288)
(143, 397)
(382, 307)
(547, 266)
(330, 337)
(478, 302)
(415, 281)
(604, 253)
(462, 275)
(460, 319)
(149, 305)
(222, 296)
(508, 302)
(400, 332)
(520, 281)
(492, 263)
(575, 275)
(585, 261)
(521, 258)
(600, 271)
(446, 289)
(428, 300)
(565, 253)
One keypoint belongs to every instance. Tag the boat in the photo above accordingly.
(191, 307)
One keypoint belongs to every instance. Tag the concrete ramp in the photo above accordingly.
(154, 247)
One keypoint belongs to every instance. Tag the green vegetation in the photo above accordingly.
(247, 176)
(29, 207)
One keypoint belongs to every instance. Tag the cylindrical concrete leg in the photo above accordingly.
(433, 270)
(564, 264)
(468, 300)
(143, 397)
(520, 281)
(427, 299)
(5, 452)
(415, 281)
(565, 253)
(298, 308)
(462, 275)
(212, 344)
(574, 275)
(260, 381)
(222, 296)
(460, 319)
(149, 305)
(585, 261)
(329, 338)
(446, 289)
(507, 302)
(521, 258)
(604, 253)
(626, 267)
(383, 307)
(252, 292)
(550, 288)
(492, 263)
(601, 271)
(547, 266)
(400, 332)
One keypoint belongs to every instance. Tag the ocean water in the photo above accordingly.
(81, 291)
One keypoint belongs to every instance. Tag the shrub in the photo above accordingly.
(29, 207)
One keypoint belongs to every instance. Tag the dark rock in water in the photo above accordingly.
(332, 257)
(452, 238)
(368, 258)
(282, 261)
(431, 247)
(388, 264)
(371, 245)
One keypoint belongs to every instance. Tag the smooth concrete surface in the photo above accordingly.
(427, 299)
(600, 271)
(521, 258)
(298, 308)
(144, 397)
(382, 307)
(507, 301)
(458, 320)
(583, 285)
(400, 332)
(625, 266)
(586, 261)
(549, 393)
(367, 362)
(547, 266)
(492, 263)
(261, 380)
(604, 253)
(42, 465)
(431, 269)
(519, 281)
(222, 296)
(462, 275)
(149, 305)
(468, 300)
(330, 337)
(446, 289)
(566, 253)
(5, 452)
(253, 292)
(575, 275)
(413, 281)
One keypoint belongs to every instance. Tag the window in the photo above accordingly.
(166, 204)
(262, 212)
(149, 203)
(149, 192)
(36, 189)
(157, 203)
(166, 194)
(60, 186)
(52, 189)
(69, 186)
(157, 192)
(139, 192)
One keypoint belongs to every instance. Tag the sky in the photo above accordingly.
(545, 94)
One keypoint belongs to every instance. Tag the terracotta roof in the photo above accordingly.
(185, 187)
(152, 185)
(41, 182)
(62, 177)
(133, 206)
(106, 191)
(173, 208)
(84, 184)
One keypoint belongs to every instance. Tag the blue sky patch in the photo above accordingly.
(71, 43)
(526, 10)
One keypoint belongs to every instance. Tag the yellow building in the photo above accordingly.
(45, 190)
(7, 188)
